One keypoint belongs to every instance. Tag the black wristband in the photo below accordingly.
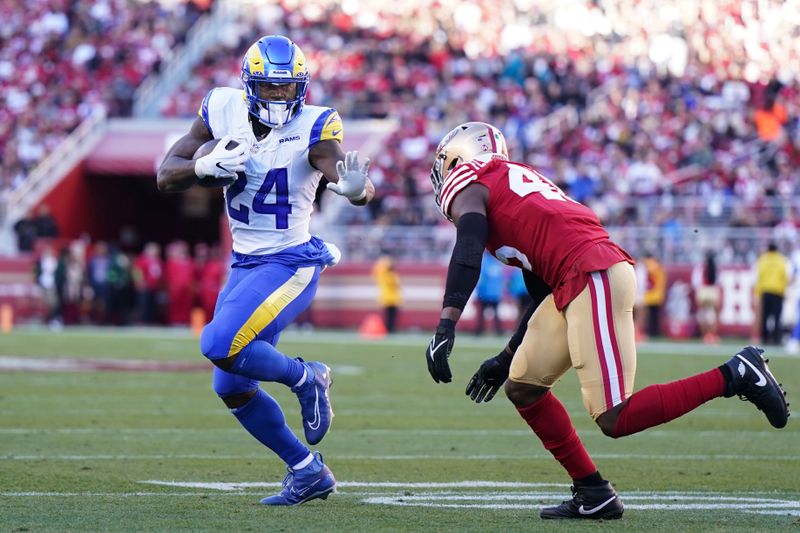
(446, 326)
(504, 357)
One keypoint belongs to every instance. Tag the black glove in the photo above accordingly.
(438, 351)
(489, 378)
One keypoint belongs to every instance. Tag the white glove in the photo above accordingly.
(352, 178)
(222, 163)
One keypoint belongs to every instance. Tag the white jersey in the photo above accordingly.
(269, 207)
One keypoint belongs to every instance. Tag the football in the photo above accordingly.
(211, 182)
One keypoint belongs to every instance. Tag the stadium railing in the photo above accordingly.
(685, 245)
(14, 204)
(202, 35)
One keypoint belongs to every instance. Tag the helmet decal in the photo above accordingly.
(299, 62)
(254, 60)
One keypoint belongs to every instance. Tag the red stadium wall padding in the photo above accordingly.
(347, 293)
(96, 207)
(103, 205)
(70, 203)
(17, 287)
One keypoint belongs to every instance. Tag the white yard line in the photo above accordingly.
(408, 457)
(363, 484)
(470, 495)
(502, 432)
(114, 494)
(402, 501)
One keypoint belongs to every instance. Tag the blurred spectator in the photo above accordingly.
(44, 223)
(389, 290)
(179, 280)
(210, 278)
(28, 229)
(49, 276)
(489, 293)
(25, 230)
(707, 294)
(654, 294)
(97, 274)
(148, 271)
(772, 279)
(120, 299)
(74, 278)
(770, 120)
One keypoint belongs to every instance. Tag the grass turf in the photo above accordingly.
(77, 447)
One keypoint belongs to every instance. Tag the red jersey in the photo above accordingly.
(534, 225)
(151, 270)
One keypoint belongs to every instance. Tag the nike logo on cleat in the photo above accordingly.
(596, 508)
(302, 492)
(761, 379)
(314, 424)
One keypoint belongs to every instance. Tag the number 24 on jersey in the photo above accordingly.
(277, 178)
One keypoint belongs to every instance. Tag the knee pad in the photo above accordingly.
(215, 341)
(226, 384)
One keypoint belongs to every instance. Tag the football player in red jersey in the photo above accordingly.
(586, 322)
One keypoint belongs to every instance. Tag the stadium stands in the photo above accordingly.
(60, 61)
(681, 114)
(700, 101)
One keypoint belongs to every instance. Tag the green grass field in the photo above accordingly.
(157, 451)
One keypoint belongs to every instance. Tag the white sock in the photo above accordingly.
(304, 463)
(302, 380)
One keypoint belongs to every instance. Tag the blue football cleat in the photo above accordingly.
(309, 483)
(315, 403)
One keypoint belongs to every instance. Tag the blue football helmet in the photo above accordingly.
(272, 66)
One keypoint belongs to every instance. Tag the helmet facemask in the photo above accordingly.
(439, 173)
(274, 112)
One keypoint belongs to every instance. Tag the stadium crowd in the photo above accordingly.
(653, 115)
(63, 60)
(699, 102)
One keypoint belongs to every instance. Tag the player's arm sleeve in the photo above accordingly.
(204, 113)
(328, 126)
(472, 233)
(538, 291)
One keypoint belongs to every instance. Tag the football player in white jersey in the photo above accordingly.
(284, 149)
